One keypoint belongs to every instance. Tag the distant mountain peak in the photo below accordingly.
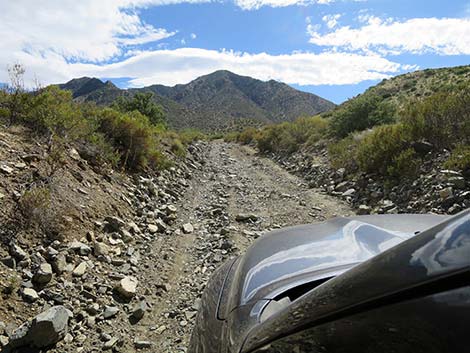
(213, 101)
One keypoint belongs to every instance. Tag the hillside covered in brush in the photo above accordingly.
(221, 100)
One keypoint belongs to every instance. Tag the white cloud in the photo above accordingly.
(445, 36)
(257, 4)
(58, 40)
(331, 20)
(185, 64)
(193, 35)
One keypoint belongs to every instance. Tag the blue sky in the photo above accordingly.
(334, 48)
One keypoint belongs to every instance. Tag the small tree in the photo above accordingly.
(17, 97)
(144, 104)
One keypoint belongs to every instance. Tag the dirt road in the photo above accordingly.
(234, 181)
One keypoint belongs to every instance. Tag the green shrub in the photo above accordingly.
(288, 137)
(380, 150)
(248, 136)
(442, 118)
(132, 136)
(178, 148)
(459, 159)
(342, 154)
(404, 165)
(54, 113)
(144, 104)
(188, 136)
(361, 113)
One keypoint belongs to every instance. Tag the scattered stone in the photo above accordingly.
(245, 217)
(110, 311)
(140, 344)
(100, 249)
(44, 274)
(127, 287)
(363, 210)
(139, 310)
(30, 295)
(187, 228)
(111, 343)
(160, 329)
(80, 270)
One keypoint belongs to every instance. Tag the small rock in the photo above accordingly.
(127, 287)
(114, 223)
(139, 310)
(445, 193)
(17, 252)
(30, 295)
(80, 270)
(44, 274)
(110, 311)
(160, 329)
(152, 228)
(4, 341)
(110, 344)
(244, 217)
(6, 169)
(139, 344)
(363, 210)
(100, 249)
(187, 228)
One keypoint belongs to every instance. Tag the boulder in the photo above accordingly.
(44, 330)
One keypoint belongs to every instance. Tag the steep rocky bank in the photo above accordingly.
(435, 189)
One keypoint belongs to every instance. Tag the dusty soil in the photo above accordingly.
(234, 180)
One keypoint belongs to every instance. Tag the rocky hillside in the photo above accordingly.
(216, 101)
(419, 84)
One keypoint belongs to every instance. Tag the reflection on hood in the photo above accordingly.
(354, 243)
(449, 249)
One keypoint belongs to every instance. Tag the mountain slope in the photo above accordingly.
(215, 101)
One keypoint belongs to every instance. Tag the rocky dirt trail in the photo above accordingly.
(129, 278)
(233, 199)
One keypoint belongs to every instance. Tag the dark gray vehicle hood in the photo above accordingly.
(292, 256)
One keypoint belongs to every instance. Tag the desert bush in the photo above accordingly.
(231, 136)
(404, 165)
(342, 154)
(188, 136)
(380, 150)
(178, 148)
(55, 114)
(360, 113)
(144, 104)
(248, 136)
(36, 210)
(442, 118)
(288, 137)
(133, 137)
(459, 158)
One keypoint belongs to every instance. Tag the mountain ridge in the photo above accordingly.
(216, 101)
